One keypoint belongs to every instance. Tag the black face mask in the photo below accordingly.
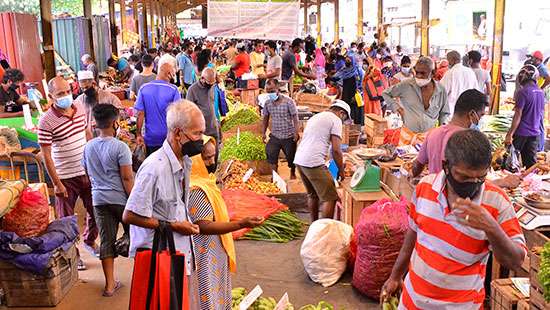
(90, 92)
(206, 85)
(14, 87)
(192, 148)
(463, 189)
(211, 168)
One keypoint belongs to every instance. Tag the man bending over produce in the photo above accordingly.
(323, 130)
(456, 219)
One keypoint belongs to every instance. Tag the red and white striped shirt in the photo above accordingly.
(447, 267)
(67, 136)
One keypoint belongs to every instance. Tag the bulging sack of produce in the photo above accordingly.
(325, 250)
(380, 233)
(30, 217)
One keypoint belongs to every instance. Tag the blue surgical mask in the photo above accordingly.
(273, 96)
(64, 102)
(475, 126)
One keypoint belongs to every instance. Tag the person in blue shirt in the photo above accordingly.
(186, 66)
(151, 104)
(122, 67)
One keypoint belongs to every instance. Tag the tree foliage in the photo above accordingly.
(72, 7)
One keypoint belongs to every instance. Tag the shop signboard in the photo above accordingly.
(254, 19)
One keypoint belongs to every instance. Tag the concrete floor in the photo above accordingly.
(277, 268)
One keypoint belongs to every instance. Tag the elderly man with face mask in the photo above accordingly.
(151, 104)
(422, 101)
(91, 96)
(161, 189)
(62, 137)
(201, 93)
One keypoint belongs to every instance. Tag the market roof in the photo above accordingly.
(182, 5)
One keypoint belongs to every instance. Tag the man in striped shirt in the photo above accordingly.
(62, 137)
(456, 219)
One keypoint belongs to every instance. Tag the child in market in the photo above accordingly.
(108, 164)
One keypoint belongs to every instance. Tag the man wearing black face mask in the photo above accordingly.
(167, 171)
(201, 93)
(91, 96)
(10, 101)
(456, 219)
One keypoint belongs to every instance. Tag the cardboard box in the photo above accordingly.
(375, 125)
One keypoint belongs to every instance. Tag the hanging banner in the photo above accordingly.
(254, 19)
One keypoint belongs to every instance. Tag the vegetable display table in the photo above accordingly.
(355, 202)
(18, 123)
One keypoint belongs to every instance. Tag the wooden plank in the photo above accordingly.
(88, 15)
(122, 4)
(319, 35)
(136, 16)
(336, 21)
(359, 19)
(380, 27)
(47, 38)
(306, 21)
(498, 36)
(424, 28)
(145, 30)
(112, 24)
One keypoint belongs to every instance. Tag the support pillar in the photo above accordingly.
(122, 4)
(424, 29)
(359, 18)
(336, 20)
(496, 71)
(87, 4)
(112, 24)
(380, 27)
(152, 13)
(136, 15)
(47, 38)
(319, 36)
(145, 32)
(306, 21)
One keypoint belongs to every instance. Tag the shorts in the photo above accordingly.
(319, 183)
(275, 145)
(108, 217)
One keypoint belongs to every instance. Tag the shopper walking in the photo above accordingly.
(108, 164)
(457, 79)
(483, 76)
(348, 76)
(144, 77)
(202, 94)
(151, 104)
(62, 137)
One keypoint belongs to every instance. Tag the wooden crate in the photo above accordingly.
(354, 203)
(375, 141)
(523, 304)
(250, 97)
(350, 134)
(375, 125)
(536, 299)
(315, 102)
(504, 296)
(25, 289)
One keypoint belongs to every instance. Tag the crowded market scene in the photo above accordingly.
(274, 154)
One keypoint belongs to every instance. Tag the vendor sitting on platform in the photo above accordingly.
(456, 220)
(93, 95)
(10, 101)
(122, 67)
(469, 109)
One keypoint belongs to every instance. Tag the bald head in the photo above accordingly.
(58, 87)
(166, 72)
(453, 57)
(209, 75)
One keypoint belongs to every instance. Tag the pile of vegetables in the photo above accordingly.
(499, 122)
(281, 227)
(262, 303)
(544, 272)
(245, 146)
(390, 303)
(234, 180)
(243, 116)
(322, 305)
(496, 139)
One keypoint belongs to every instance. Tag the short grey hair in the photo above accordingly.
(180, 114)
(86, 57)
(427, 61)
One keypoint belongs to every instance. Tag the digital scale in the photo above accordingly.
(530, 217)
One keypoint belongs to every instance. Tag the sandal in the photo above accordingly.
(118, 286)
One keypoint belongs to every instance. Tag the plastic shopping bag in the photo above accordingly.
(512, 160)
(138, 156)
(325, 250)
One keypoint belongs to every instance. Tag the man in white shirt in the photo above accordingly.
(458, 79)
(483, 76)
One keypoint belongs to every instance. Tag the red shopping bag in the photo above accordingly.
(159, 281)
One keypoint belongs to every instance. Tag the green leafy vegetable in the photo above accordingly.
(243, 116)
(280, 227)
(322, 305)
(250, 147)
(544, 272)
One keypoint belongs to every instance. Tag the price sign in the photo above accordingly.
(283, 303)
(249, 299)
(281, 184)
(28, 118)
(247, 175)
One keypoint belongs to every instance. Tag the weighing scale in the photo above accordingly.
(366, 178)
(529, 217)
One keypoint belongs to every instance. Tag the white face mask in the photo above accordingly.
(422, 82)
(406, 70)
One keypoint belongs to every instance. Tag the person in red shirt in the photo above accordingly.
(241, 64)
